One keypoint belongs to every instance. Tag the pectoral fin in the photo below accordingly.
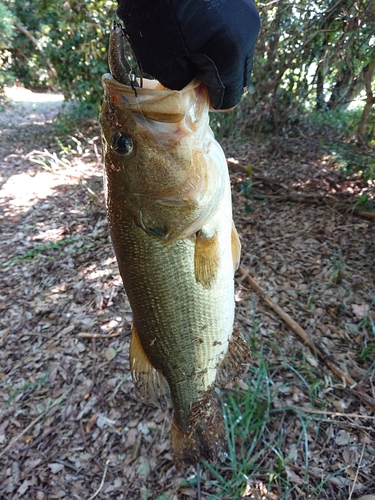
(236, 247)
(206, 259)
(236, 362)
(150, 383)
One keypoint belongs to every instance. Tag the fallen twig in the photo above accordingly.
(248, 169)
(317, 199)
(102, 483)
(356, 473)
(99, 335)
(297, 197)
(325, 357)
(297, 329)
(326, 412)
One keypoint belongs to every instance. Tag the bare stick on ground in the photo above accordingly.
(327, 358)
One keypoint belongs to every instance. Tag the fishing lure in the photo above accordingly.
(118, 63)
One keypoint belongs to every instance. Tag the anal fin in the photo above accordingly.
(151, 383)
(206, 258)
(235, 363)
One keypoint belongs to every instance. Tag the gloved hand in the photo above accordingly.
(177, 40)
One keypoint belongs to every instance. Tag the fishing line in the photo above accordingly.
(147, 126)
(133, 75)
(117, 51)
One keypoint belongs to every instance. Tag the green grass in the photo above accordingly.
(367, 326)
(258, 431)
(29, 387)
(365, 203)
(338, 271)
(367, 352)
(352, 160)
(47, 250)
(61, 160)
(246, 414)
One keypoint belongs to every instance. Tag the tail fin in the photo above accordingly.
(205, 437)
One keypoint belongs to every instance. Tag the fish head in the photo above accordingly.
(159, 157)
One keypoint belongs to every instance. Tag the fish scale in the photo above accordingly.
(176, 304)
(169, 210)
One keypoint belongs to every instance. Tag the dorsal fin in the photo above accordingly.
(236, 361)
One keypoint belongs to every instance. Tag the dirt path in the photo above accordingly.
(71, 422)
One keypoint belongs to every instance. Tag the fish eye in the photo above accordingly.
(122, 143)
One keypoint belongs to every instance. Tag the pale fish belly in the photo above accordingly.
(183, 326)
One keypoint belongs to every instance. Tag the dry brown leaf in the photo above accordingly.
(294, 478)
(24, 487)
(189, 492)
(315, 262)
(56, 468)
(360, 310)
(343, 437)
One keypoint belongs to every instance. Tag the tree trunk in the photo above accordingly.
(320, 88)
(370, 101)
(340, 90)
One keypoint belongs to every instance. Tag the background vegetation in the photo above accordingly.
(300, 148)
(310, 56)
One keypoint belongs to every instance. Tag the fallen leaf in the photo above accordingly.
(91, 422)
(55, 468)
(189, 492)
(360, 310)
(293, 476)
(342, 438)
(143, 468)
(110, 353)
(103, 422)
(24, 486)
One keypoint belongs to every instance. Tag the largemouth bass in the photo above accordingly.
(169, 209)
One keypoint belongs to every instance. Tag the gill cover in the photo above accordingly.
(161, 147)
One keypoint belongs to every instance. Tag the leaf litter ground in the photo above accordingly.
(72, 424)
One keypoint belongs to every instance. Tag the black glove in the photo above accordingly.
(177, 40)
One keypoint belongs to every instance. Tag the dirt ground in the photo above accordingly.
(71, 422)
